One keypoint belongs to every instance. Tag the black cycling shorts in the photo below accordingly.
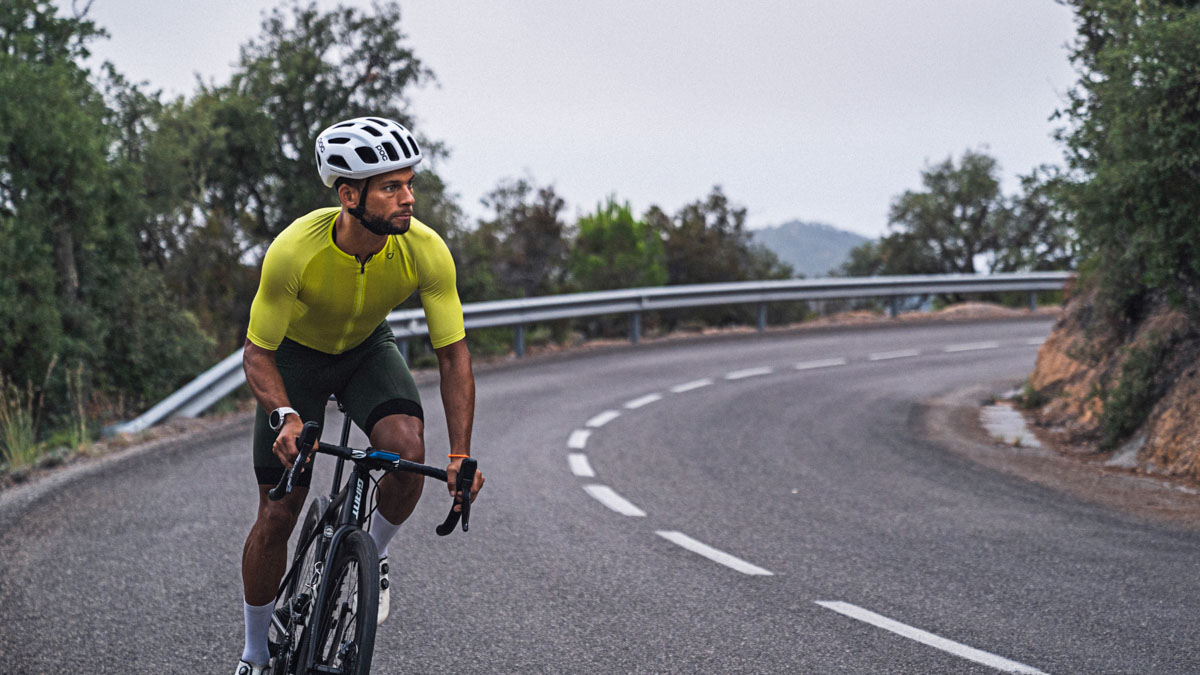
(371, 380)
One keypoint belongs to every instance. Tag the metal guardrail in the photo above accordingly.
(217, 382)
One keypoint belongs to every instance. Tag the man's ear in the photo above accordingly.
(347, 195)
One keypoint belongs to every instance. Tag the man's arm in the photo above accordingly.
(263, 377)
(458, 399)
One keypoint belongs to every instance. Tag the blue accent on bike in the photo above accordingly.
(385, 456)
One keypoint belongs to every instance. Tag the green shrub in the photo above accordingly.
(1128, 403)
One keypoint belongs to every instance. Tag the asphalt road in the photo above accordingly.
(774, 512)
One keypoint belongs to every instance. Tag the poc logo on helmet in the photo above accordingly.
(320, 145)
(382, 154)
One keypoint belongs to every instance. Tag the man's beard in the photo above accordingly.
(381, 226)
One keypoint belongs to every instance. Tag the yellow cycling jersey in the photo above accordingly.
(318, 295)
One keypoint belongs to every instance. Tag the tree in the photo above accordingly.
(957, 218)
(66, 191)
(707, 242)
(612, 250)
(525, 244)
(1133, 146)
(306, 70)
(961, 221)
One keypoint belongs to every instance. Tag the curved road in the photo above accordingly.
(748, 504)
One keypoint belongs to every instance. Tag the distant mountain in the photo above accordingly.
(812, 249)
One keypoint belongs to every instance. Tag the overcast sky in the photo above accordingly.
(819, 111)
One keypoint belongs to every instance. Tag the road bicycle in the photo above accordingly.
(325, 609)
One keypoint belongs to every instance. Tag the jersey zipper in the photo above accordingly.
(360, 295)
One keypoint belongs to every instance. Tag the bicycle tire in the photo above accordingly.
(344, 637)
(300, 588)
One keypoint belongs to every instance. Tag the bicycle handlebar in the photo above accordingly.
(386, 461)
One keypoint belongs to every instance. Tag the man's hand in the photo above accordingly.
(286, 443)
(452, 479)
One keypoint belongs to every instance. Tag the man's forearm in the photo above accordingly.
(458, 395)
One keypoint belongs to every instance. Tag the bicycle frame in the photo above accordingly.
(349, 506)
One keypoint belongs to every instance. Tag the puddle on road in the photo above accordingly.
(1007, 424)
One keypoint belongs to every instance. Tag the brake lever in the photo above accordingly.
(462, 485)
(308, 439)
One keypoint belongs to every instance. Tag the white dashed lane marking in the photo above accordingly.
(712, 554)
(898, 354)
(603, 418)
(608, 497)
(749, 372)
(643, 401)
(580, 466)
(688, 386)
(578, 439)
(822, 363)
(972, 347)
(960, 650)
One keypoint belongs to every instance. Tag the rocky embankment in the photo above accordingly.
(1129, 390)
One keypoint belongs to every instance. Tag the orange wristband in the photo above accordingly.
(459, 456)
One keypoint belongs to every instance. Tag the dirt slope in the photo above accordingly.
(1129, 391)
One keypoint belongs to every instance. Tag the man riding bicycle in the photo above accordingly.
(318, 327)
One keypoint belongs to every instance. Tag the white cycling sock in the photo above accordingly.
(382, 531)
(258, 622)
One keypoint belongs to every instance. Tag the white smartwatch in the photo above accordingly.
(277, 415)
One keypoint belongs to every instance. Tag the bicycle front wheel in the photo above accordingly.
(347, 607)
(294, 604)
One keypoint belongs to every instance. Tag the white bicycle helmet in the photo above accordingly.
(364, 147)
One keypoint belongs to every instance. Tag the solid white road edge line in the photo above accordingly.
(898, 354)
(823, 363)
(712, 554)
(749, 372)
(606, 496)
(688, 386)
(1035, 341)
(645, 400)
(602, 419)
(972, 346)
(578, 439)
(925, 637)
(580, 466)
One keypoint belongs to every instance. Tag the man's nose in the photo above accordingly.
(405, 195)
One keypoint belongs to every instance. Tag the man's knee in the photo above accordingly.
(277, 519)
(401, 434)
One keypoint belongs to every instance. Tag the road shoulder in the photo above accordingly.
(952, 422)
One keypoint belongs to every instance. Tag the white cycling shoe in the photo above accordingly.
(384, 594)
(247, 668)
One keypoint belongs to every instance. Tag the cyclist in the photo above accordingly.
(318, 327)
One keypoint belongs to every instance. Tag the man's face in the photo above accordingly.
(389, 205)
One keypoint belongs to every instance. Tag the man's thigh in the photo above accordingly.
(381, 386)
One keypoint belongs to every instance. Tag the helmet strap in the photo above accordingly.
(359, 209)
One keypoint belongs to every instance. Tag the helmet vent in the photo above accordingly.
(338, 140)
(382, 123)
(403, 147)
(367, 155)
(343, 124)
(336, 160)
(416, 150)
(390, 150)
(372, 130)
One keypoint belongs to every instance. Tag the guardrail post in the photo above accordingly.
(519, 347)
(402, 344)
(894, 306)
(1032, 301)
(635, 327)
(762, 317)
